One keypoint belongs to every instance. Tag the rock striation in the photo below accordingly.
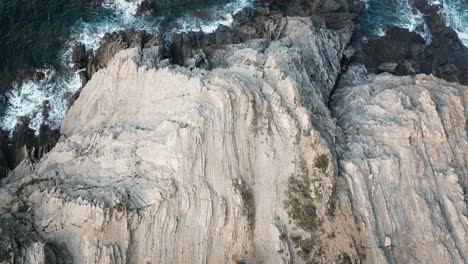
(252, 143)
(403, 151)
(168, 164)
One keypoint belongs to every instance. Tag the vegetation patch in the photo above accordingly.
(119, 208)
(321, 162)
(344, 258)
(248, 201)
(302, 210)
(332, 202)
(24, 185)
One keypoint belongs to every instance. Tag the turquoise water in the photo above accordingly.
(40, 34)
(380, 14)
(456, 14)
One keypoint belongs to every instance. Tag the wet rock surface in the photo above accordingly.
(191, 49)
(179, 48)
(139, 175)
(234, 90)
(88, 62)
(25, 143)
(20, 244)
(444, 56)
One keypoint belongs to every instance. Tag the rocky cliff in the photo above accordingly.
(171, 165)
(259, 155)
(403, 151)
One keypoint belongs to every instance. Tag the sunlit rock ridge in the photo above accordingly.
(263, 156)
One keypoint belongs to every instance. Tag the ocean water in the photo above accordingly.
(40, 34)
(456, 15)
(380, 14)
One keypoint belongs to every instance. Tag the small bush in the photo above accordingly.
(321, 162)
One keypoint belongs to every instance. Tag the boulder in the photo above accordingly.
(3, 151)
(79, 56)
(387, 67)
(144, 7)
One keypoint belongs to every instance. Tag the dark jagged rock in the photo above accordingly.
(18, 238)
(164, 4)
(144, 7)
(80, 61)
(191, 48)
(111, 44)
(251, 23)
(25, 144)
(444, 57)
(3, 158)
(79, 57)
(310, 7)
(449, 54)
(396, 46)
(114, 42)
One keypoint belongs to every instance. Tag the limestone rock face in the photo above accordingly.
(403, 152)
(168, 165)
(249, 160)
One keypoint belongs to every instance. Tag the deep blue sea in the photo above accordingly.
(39, 34)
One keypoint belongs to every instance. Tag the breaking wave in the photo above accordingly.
(456, 16)
(26, 98)
(380, 14)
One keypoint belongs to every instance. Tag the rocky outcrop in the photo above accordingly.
(88, 62)
(172, 165)
(159, 5)
(403, 152)
(25, 143)
(443, 54)
(226, 146)
(20, 244)
(3, 158)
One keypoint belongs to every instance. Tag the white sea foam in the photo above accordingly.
(456, 16)
(26, 98)
(219, 16)
(401, 13)
(410, 18)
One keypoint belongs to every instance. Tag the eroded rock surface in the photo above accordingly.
(403, 152)
(172, 165)
(237, 155)
(441, 54)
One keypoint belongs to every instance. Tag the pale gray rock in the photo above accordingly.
(403, 152)
(387, 67)
(166, 164)
(177, 165)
